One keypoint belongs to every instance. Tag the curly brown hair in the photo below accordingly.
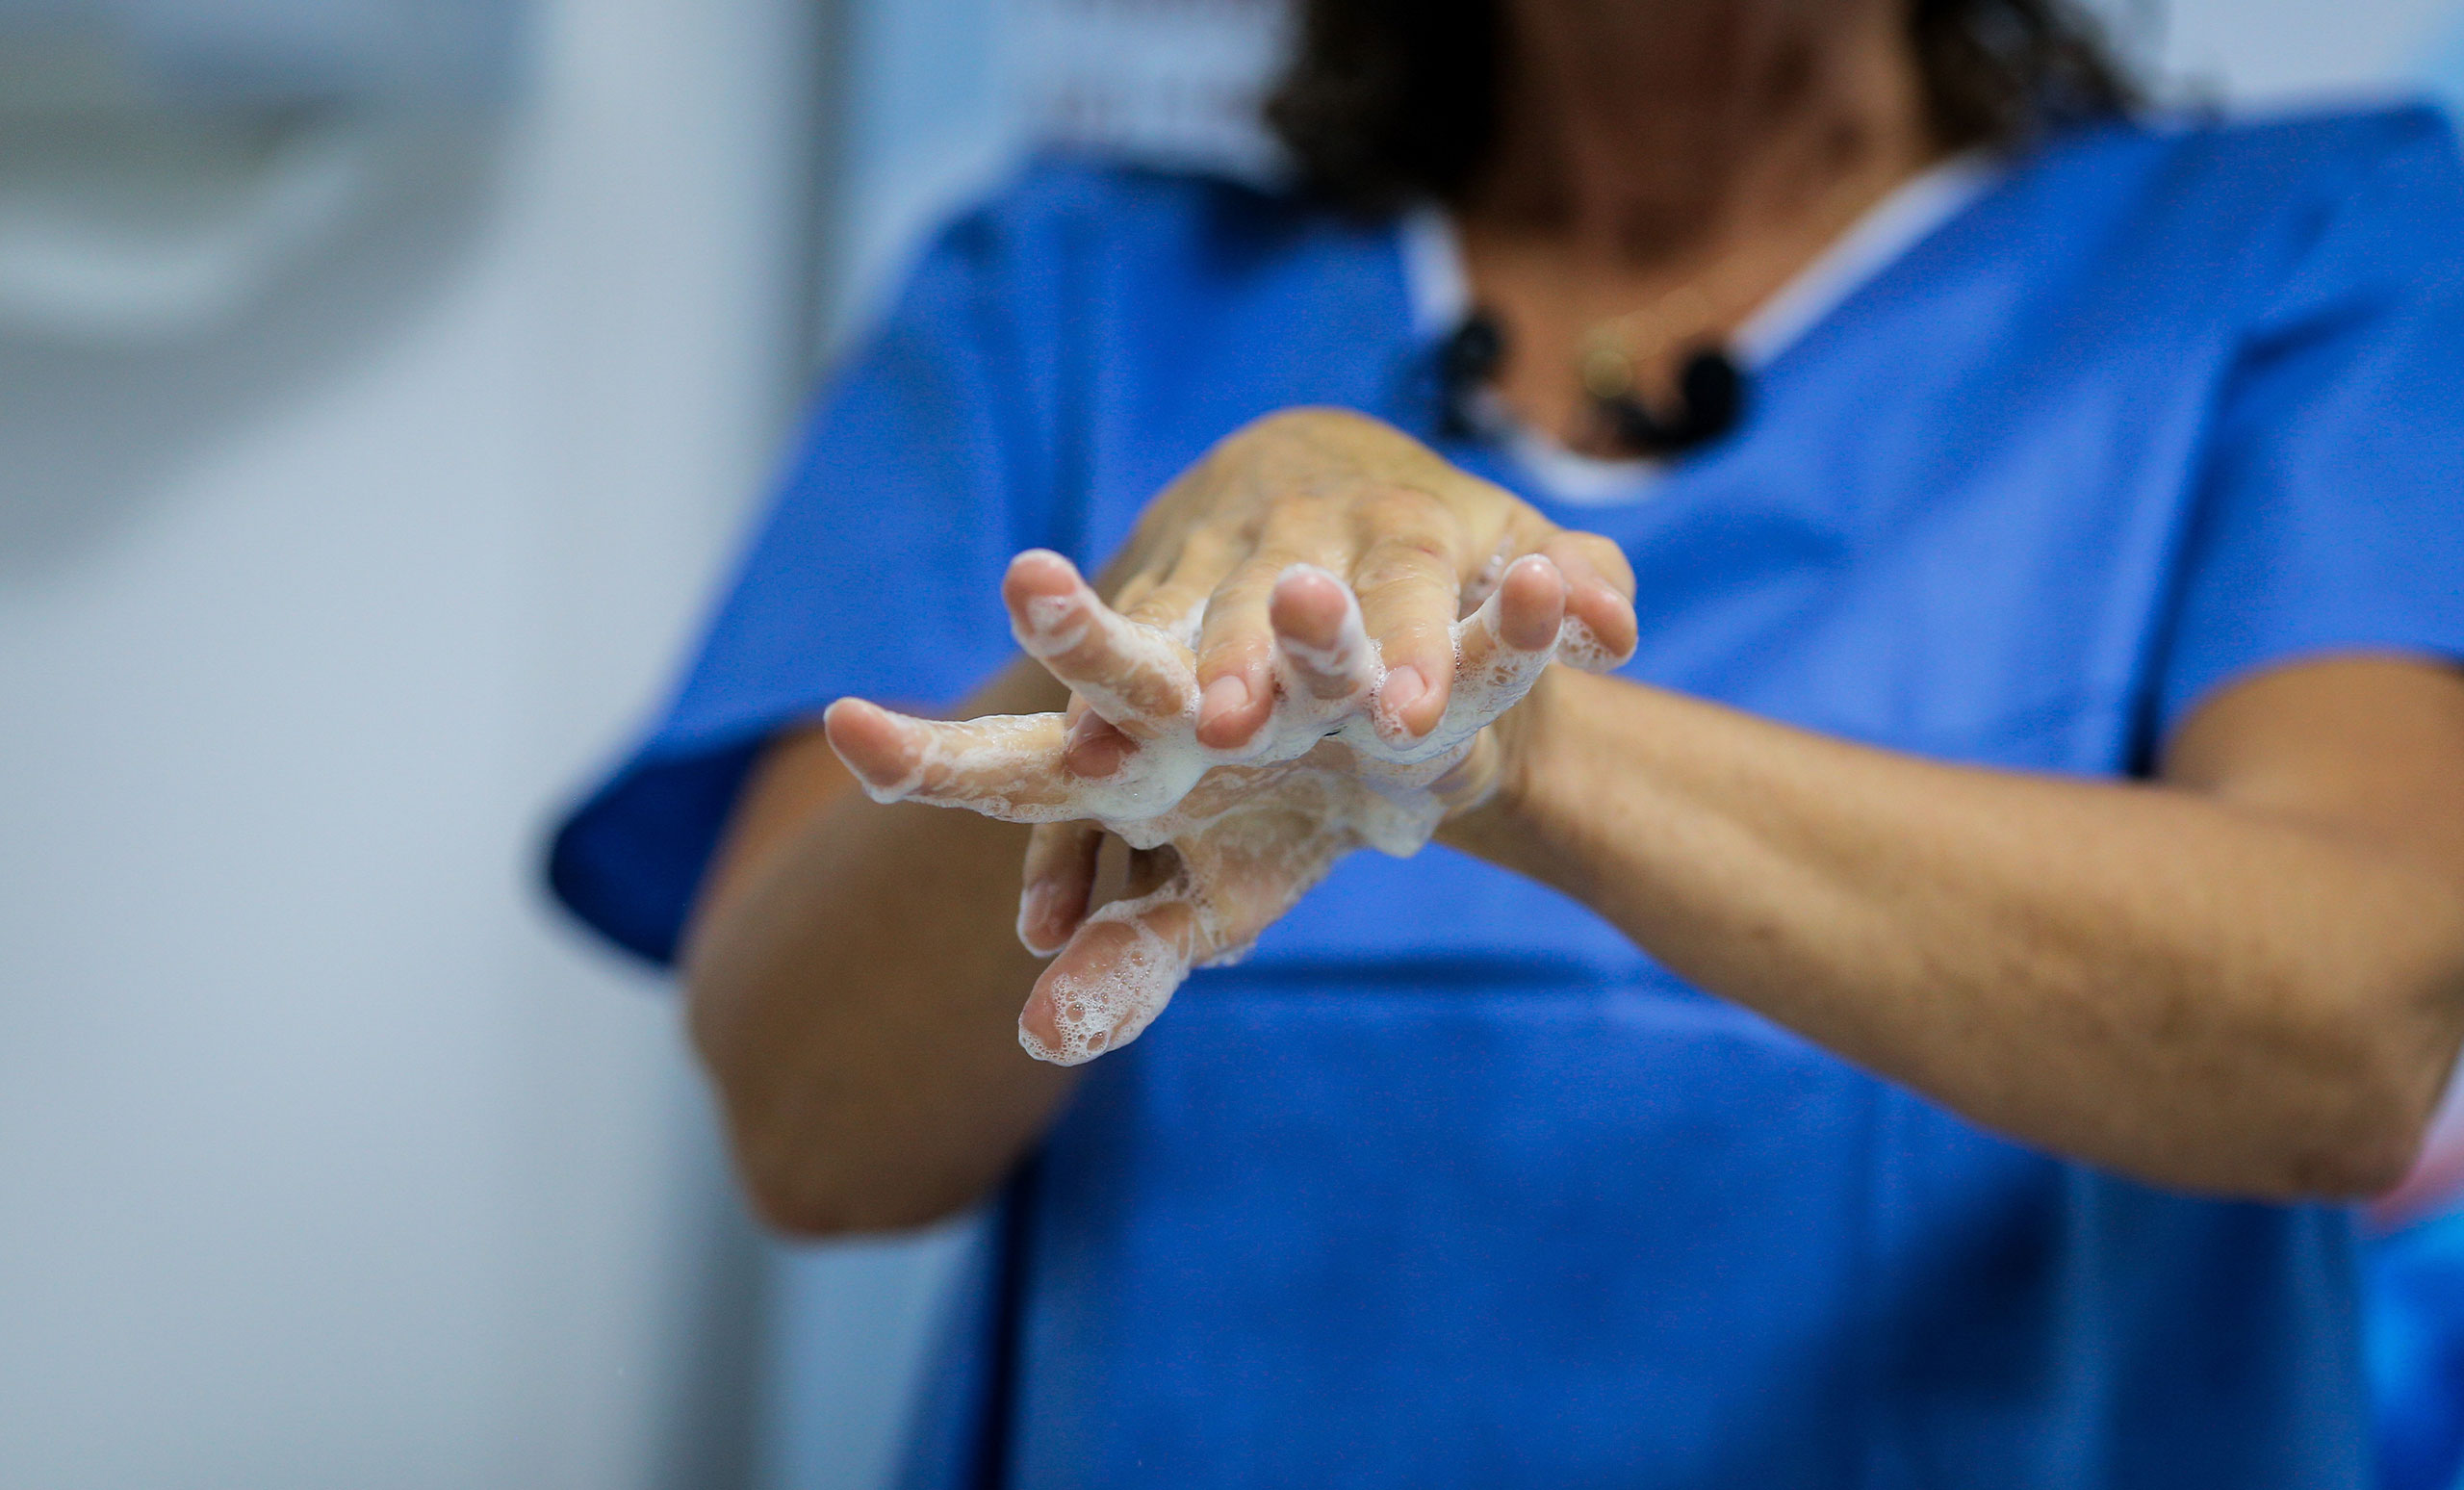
(1388, 101)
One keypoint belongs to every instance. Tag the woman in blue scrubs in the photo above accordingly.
(1906, 1027)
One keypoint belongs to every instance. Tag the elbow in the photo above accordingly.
(2366, 1075)
(808, 1203)
(2386, 1150)
(802, 1216)
(2367, 1165)
(814, 1171)
(2375, 1137)
(793, 1207)
(809, 1169)
(818, 1154)
(816, 1176)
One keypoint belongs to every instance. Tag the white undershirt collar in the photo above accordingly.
(1440, 295)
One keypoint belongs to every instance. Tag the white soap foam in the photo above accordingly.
(1053, 626)
(1317, 782)
(1034, 906)
(1108, 1009)
(1003, 759)
(1155, 683)
(1350, 666)
(1580, 649)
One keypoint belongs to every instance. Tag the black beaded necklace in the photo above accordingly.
(1710, 391)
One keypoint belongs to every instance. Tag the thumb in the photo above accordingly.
(1116, 975)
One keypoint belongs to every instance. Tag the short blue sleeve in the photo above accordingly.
(923, 467)
(2332, 515)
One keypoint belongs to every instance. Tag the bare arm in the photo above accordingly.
(855, 971)
(2248, 978)
(853, 980)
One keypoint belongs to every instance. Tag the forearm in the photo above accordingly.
(855, 992)
(2139, 977)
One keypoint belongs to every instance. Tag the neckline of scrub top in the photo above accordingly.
(1439, 290)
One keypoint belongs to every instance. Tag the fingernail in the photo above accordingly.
(1227, 695)
(1094, 749)
(881, 781)
(1404, 687)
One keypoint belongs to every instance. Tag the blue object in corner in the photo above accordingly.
(2413, 1289)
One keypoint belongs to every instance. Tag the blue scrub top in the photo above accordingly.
(2414, 1303)
(1449, 1184)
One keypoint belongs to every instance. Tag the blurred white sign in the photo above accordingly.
(163, 160)
(226, 53)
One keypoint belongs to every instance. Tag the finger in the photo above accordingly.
(1410, 578)
(1148, 871)
(1131, 598)
(1056, 884)
(1600, 601)
(1094, 748)
(1236, 649)
(1525, 533)
(1003, 765)
(1529, 602)
(1320, 640)
(1503, 648)
(1132, 675)
(1112, 980)
(1176, 602)
(1236, 662)
(1473, 780)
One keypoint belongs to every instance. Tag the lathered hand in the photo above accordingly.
(1227, 838)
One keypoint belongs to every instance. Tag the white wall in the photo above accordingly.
(927, 115)
(328, 1158)
(2263, 50)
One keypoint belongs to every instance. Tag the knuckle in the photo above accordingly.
(1140, 596)
(1236, 608)
(1205, 554)
(1404, 509)
(1419, 642)
(1292, 512)
(1241, 597)
(1406, 558)
(1160, 605)
(1230, 649)
(1604, 557)
(1406, 587)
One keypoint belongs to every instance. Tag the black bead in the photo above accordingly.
(1714, 395)
(1711, 391)
(1465, 361)
(1476, 351)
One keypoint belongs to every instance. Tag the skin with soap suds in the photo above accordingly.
(1251, 827)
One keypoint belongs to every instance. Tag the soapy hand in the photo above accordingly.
(1315, 622)
(1410, 534)
(1228, 836)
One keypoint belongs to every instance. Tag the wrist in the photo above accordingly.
(1510, 821)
